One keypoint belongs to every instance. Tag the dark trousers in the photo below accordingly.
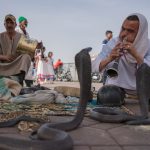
(21, 77)
(29, 83)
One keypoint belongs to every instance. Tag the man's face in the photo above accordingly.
(109, 35)
(10, 25)
(129, 30)
(50, 54)
(24, 24)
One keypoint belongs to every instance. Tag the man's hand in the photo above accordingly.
(7, 58)
(129, 47)
(131, 50)
(23, 27)
(39, 45)
(115, 53)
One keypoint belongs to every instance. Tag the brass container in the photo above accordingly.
(26, 46)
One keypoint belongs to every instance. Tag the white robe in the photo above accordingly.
(20, 31)
(29, 75)
(127, 70)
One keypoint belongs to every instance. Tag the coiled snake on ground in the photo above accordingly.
(52, 136)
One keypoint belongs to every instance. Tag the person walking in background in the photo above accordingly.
(58, 67)
(23, 23)
(50, 68)
(41, 74)
(109, 35)
(41, 66)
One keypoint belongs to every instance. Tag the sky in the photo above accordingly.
(67, 26)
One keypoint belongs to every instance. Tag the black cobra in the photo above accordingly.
(51, 136)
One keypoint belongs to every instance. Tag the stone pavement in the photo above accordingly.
(94, 135)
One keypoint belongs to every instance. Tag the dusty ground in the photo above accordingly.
(94, 135)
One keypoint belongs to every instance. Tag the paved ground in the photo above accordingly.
(93, 135)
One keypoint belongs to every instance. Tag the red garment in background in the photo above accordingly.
(58, 64)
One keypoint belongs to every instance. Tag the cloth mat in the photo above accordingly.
(12, 110)
(44, 111)
(8, 88)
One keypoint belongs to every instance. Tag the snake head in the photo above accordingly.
(88, 49)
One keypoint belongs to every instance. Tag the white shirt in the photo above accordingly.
(20, 31)
(127, 70)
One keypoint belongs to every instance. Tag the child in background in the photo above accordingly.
(41, 66)
(50, 69)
